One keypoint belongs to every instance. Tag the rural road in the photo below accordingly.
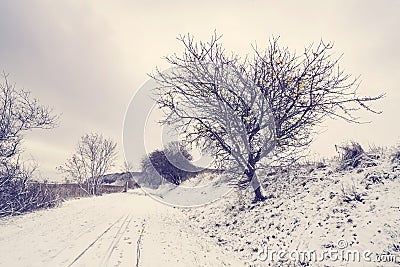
(123, 229)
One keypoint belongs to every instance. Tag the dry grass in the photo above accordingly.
(351, 155)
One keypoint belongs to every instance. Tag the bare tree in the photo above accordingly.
(19, 113)
(241, 109)
(94, 156)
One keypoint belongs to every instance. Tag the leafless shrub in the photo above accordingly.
(377, 152)
(374, 177)
(28, 195)
(396, 156)
(68, 191)
(352, 155)
(321, 165)
(351, 194)
(19, 194)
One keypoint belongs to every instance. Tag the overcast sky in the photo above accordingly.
(87, 58)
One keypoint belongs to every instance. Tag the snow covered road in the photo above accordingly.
(106, 231)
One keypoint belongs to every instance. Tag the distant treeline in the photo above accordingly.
(72, 190)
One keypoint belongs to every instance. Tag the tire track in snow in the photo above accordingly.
(116, 239)
(87, 230)
(97, 239)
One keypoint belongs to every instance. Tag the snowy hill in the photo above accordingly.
(316, 209)
(316, 215)
(122, 178)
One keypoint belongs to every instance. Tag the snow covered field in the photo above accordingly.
(312, 212)
(314, 209)
(104, 231)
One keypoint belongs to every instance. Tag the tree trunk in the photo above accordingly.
(256, 185)
(258, 195)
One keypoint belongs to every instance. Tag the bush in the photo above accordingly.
(171, 164)
(18, 194)
(351, 155)
(351, 194)
(375, 177)
(396, 156)
(68, 191)
(22, 196)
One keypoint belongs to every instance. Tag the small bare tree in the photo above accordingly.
(94, 156)
(241, 109)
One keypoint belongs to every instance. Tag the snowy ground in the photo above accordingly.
(315, 209)
(312, 210)
(104, 231)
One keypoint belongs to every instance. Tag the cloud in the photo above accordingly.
(87, 58)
